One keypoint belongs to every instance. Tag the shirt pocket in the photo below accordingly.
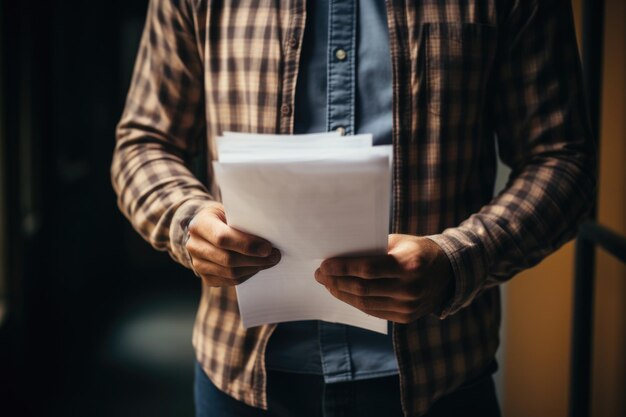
(458, 60)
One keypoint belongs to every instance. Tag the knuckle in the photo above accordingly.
(221, 240)
(228, 259)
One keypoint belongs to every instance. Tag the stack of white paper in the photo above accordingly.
(314, 197)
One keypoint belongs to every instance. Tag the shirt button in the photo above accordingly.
(341, 130)
(341, 54)
(292, 42)
(285, 110)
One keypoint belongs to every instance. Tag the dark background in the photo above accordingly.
(98, 323)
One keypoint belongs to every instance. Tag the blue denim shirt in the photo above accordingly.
(344, 83)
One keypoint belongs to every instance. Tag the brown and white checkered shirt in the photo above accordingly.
(467, 74)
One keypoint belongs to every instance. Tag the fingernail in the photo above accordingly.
(275, 256)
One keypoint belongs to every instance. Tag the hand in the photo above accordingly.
(414, 279)
(223, 256)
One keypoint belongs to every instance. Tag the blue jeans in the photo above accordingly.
(301, 395)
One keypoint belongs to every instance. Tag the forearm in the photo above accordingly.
(155, 190)
(537, 213)
(161, 129)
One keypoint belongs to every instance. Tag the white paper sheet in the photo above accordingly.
(323, 200)
(286, 138)
(242, 147)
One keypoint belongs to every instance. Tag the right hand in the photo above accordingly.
(223, 256)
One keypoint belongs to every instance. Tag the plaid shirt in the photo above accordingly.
(466, 74)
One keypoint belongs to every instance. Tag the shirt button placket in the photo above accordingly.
(341, 66)
(292, 41)
(334, 344)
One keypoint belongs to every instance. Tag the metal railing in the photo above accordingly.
(590, 237)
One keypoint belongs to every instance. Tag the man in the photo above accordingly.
(443, 81)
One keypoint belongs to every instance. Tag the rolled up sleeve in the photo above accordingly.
(543, 134)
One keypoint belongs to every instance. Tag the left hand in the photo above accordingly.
(414, 279)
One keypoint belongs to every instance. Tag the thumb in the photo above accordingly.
(393, 241)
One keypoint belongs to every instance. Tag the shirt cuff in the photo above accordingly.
(179, 229)
(469, 264)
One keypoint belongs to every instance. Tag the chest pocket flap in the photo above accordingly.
(458, 60)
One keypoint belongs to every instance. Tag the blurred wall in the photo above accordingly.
(538, 315)
(609, 372)
(2, 191)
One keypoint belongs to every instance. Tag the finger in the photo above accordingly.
(233, 259)
(211, 268)
(211, 228)
(393, 316)
(373, 303)
(383, 266)
(385, 287)
(215, 281)
(202, 249)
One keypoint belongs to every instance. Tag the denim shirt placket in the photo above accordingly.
(341, 68)
(341, 65)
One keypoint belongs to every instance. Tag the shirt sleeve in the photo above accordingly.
(541, 124)
(160, 130)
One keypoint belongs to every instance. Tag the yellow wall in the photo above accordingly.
(2, 193)
(539, 301)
